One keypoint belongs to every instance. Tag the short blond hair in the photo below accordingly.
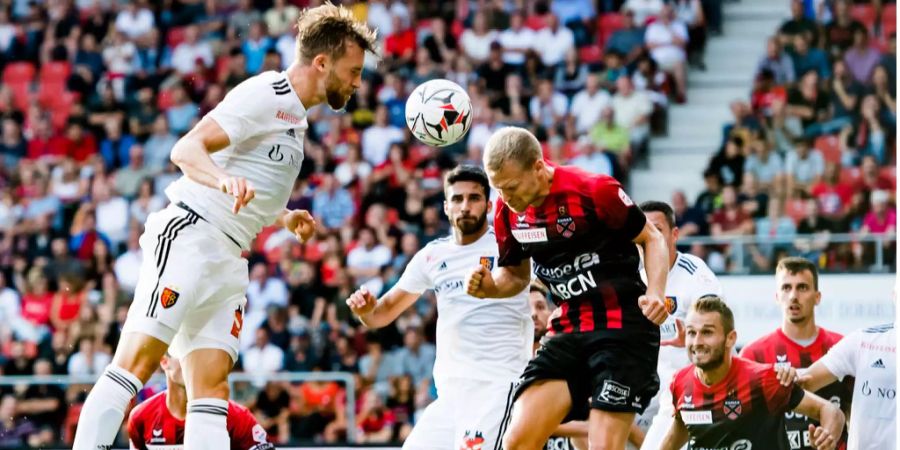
(511, 144)
(326, 29)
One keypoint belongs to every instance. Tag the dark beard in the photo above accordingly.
(471, 227)
(333, 96)
(717, 357)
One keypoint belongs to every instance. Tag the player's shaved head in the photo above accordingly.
(326, 29)
(511, 144)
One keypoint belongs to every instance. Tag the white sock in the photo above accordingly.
(103, 411)
(204, 427)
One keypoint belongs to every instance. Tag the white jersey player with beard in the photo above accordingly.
(483, 345)
(689, 279)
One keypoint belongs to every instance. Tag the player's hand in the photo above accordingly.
(678, 340)
(653, 308)
(361, 302)
(821, 439)
(480, 283)
(803, 378)
(240, 189)
(786, 375)
(301, 223)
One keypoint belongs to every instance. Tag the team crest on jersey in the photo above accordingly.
(671, 304)
(732, 406)
(487, 262)
(168, 297)
(472, 440)
(565, 224)
(238, 322)
(781, 362)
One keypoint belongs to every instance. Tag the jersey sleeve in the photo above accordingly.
(242, 114)
(841, 359)
(245, 432)
(616, 209)
(779, 398)
(706, 283)
(414, 278)
(753, 352)
(510, 251)
(136, 431)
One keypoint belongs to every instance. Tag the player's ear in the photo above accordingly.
(818, 297)
(446, 209)
(321, 62)
(675, 233)
(731, 339)
(490, 206)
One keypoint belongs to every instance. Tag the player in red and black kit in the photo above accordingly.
(158, 422)
(580, 230)
(725, 402)
(799, 342)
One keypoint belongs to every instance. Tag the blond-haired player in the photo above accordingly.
(239, 164)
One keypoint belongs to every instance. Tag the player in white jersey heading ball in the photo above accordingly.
(239, 163)
(483, 345)
(689, 279)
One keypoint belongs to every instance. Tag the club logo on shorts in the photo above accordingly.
(168, 298)
(671, 305)
(472, 440)
(732, 406)
(487, 262)
(565, 224)
(614, 393)
(238, 322)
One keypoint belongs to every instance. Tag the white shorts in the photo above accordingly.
(468, 415)
(192, 284)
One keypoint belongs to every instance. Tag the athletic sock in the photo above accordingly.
(204, 427)
(103, 411)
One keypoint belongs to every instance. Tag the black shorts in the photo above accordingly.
(609, 370)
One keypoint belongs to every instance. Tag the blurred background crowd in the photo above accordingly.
(95, 93)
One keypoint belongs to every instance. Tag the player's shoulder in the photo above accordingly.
(760, 344)
(576, 179)
(683, 375)
(879, 329)
(753, 369)
(831, 337)
(236, 409)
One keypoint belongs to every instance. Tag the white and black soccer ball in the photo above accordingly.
(439, 112)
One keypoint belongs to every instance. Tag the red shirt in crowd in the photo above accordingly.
(36, 308)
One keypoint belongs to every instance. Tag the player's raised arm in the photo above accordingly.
(376, 313)
(656, 263)
(829, 416)
(676, 437)
(506, 282)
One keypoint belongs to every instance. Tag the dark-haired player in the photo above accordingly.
(482, 344)
(728, 402)
(799, 342)
(582, 232)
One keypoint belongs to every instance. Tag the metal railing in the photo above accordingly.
(798, 245)
(291, 377)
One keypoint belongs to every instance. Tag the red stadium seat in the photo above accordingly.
(888, 19)
(864, 14)
(889, 173)
(175, 37)
(55, 72)
(50, 94)
(164, 99)
(795, 209)
(536, 22)
(591, 54)
(21, 96)
(850, 175)
(830, 148)
(608, 24)
(18, 72)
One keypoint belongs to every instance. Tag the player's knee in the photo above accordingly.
(218, 389)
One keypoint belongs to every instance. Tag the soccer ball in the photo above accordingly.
(439, 112)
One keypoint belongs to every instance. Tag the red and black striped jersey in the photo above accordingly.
(743, 410)
(580, 242)
(152, 427)
(778, 349)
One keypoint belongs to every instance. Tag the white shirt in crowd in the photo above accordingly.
(261, 361)
(184, 58)
(377, 140)
(135, 25)
(521, 39)
(79, 364)
(668, 53)
(587, 108)
(475, 46)
(553, 46)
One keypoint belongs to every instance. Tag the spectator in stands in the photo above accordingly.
(186, 55)
(14, 428)
(880, 220)
(667, 39)
(476, 41)
(375, 421)
(571, 75)
(239, 21)
(272, 409)
(80, 145)
(886, 94)
(632, 110)
(889, 62)
(145, 202)
(689, 220)
(592, 159)
(628, 40)
(808, 58)
(777, 61)
(129, 179)
(44, 405)
(333, 206)
(643, 9)
(839, 33)
(798, 25)
(729, 162)
(262, 357)
(89, 359)
(441, 44)
(766, 166)
(804, 168)
(281, 17)
(12, 144)
(730, 219)
(708, 200)
(872, 134)
(36, 301)
(834, 197)
(377, 367)
(367, 259)
(809, 104)
(493, 72)
(135, 20)
(255, 45)
(377, 139)
(115, 147)
(754, 202)
(263, 292)
(159, 145)
(548, 108)
(416, 357)
(690, 12)
(183, 112)
(861, 58)
(119, 56)
(816, 225)
(111, 212)
(612, 137)
(553, 42)
(516, 40)
(127, 265)
(773, 225)
(613, 68)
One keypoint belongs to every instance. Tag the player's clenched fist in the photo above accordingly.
(301, 223)
(361, 302)
(653, 308)
(240, 189)
(821, 439)
(480, 283)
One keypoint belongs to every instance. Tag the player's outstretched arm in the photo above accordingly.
(656, 263)
(508, 281)
(191, 155)
(676, 437)
(815, 377)
(376, 313)
(830, 417)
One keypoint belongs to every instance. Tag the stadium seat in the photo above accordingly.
(850, 175)
(608, 24)
(865, 14)
(889, 173)
(55, 72)
(62, 108)
(18, 72)
(830, 148)
(795, 209)
(22, 97)
(164, 99)
(175, 37)
(535, 22)
(50, 94)
(888, 19)
(591, 54)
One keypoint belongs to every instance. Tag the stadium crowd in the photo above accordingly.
(96, 93)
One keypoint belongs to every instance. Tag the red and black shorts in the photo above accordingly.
(609, 370)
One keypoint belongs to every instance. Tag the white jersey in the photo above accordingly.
(688, 280)
(481, 339)
(871, 357)
(266, 124)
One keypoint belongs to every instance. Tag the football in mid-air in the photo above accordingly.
(439, 112)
